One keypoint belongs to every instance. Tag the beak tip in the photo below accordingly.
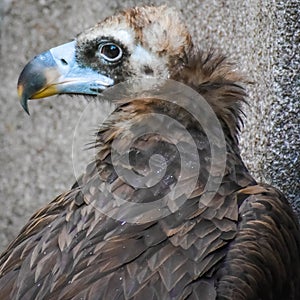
(25, 105)
(23, 98)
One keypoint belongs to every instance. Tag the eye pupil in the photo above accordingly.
(110, 52)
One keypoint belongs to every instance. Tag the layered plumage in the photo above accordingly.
(240, 241)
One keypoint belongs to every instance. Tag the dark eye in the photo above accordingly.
(110, 51)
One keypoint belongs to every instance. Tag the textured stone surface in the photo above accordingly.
(36, 151)
(283, 155)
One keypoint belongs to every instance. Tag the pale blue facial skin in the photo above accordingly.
(56, 71)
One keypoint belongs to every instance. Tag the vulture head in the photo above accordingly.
(138, 42)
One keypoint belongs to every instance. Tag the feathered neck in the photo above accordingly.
(215, 78)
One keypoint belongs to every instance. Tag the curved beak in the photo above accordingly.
(57, 72)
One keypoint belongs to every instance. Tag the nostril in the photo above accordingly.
(63, 61)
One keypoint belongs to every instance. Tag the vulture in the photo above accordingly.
(166, 209)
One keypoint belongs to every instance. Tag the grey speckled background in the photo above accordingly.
(36, 152)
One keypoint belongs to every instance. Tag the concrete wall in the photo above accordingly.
(36, 151)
